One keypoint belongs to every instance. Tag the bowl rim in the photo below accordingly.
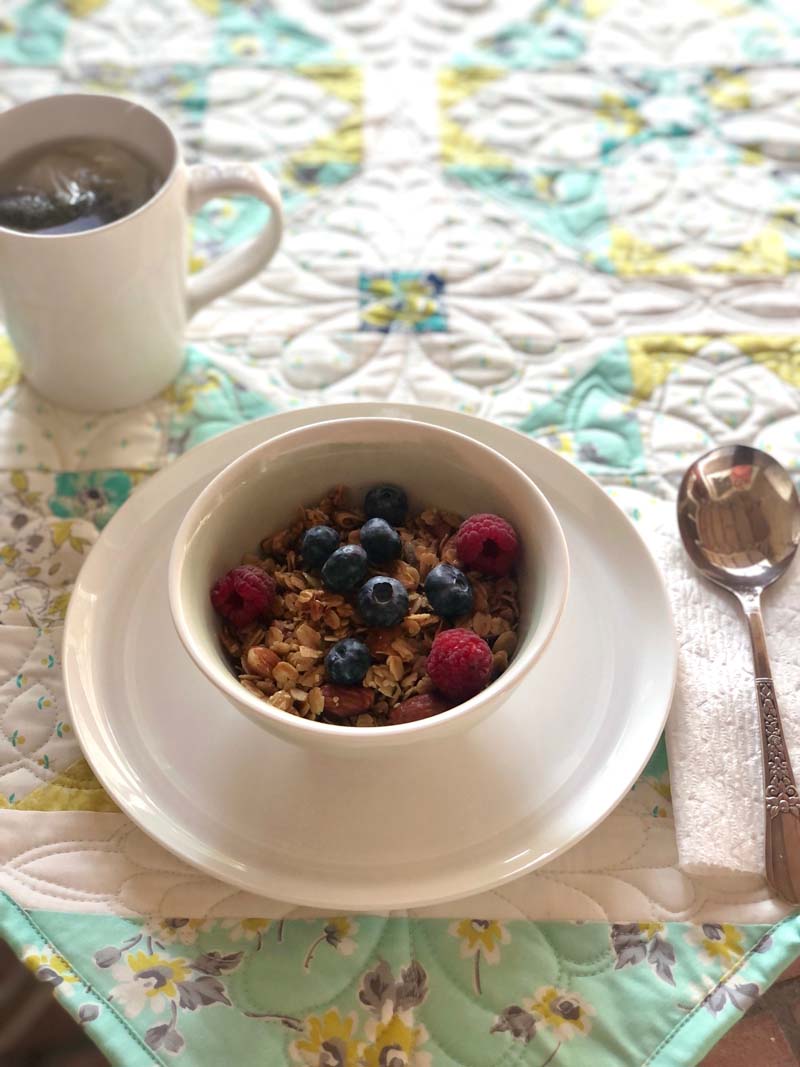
(364, 735)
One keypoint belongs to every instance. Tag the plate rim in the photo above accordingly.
(196, 458)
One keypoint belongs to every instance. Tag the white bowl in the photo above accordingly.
(260, 492)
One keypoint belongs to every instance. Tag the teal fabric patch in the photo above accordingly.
(92, 495)
(445, 993)
(32, 34)
(657, 764)
(592, 420)
(205, 401)
(556, 34)
(567, 205)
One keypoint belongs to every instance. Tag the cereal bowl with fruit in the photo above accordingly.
(368, 582)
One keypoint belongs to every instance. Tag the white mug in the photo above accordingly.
(97, 318)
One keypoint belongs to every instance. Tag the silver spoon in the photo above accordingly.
(739, 518)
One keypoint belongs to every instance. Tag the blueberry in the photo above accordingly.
(345, 568)
(347, 662)
(382, 601)
(318, 544)
(387, 502)
(449, 591)
(380, 541)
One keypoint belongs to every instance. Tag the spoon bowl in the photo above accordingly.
(739, 517)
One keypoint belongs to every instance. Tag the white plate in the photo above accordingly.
(392, 831)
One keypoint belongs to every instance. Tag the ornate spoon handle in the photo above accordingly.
(781, 800)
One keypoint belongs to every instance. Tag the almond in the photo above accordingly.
(416, 708)
(379, 642)
(342, 701)
(261, 660)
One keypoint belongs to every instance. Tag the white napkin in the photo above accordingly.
(713, 739)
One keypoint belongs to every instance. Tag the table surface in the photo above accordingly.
(574, 217)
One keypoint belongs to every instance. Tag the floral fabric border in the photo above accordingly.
(367, 991)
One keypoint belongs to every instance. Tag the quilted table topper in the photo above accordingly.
(577, 218)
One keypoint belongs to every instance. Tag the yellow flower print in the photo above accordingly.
(167, 931)
(80, 9)
(329, 1039)
(389, 1038)
(50, 968)
(184, 394)
(148, 979)
(396, 1041)
(566, 1014)
(57, 608)
(247, 929)
(480, 935)
(336, 933)
(649, 930)
(718, 943)
(165, 972)
(8, 554)
(480, 938)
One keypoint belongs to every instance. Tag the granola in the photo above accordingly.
(282, 661)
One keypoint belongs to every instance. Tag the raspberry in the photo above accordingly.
(488, 544)
(459, 663)
(243, 594)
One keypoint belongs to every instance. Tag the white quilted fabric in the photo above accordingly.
(73, 861)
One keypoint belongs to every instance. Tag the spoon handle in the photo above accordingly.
(782, 803)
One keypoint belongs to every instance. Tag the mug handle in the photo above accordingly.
(207, 180)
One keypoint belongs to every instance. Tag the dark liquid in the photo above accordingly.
(74, 185)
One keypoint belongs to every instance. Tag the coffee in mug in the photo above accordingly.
(68, 186)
